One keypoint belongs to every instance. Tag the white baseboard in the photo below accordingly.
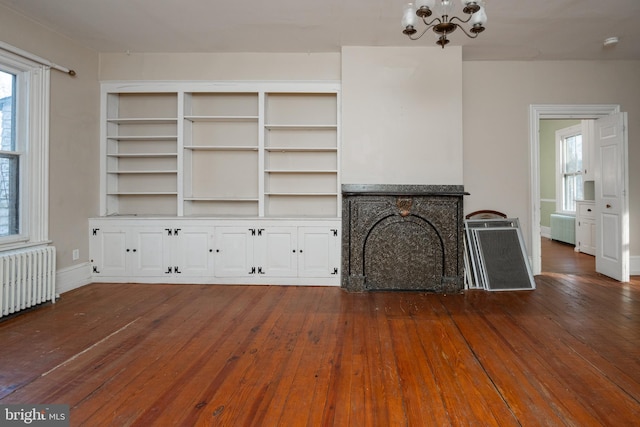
(634, 265)
(545, 232)
(73, 277)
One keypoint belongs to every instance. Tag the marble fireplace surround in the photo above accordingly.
(402, 237)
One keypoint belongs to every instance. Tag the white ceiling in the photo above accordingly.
(516, 29)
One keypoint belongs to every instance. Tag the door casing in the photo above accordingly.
(539, 112)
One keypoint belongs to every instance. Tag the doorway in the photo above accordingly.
(538, 113)
(565, 177)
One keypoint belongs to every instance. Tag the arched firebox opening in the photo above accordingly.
(402, 253)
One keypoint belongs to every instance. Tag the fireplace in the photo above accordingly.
(402, 237)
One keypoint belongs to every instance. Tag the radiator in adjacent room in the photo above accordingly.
(563, 228)
(27, 278)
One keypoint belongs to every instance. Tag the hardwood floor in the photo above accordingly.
(567, 353)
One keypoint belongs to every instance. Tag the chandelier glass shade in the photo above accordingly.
(443, 23)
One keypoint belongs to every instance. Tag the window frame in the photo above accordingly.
(32, 145)
(561, 136)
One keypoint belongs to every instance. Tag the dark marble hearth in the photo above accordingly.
(402, 237)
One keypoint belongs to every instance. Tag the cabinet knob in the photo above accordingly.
(294, 251)
(608, 206)
(589, 210)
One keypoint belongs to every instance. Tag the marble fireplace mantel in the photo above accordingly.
(402, 237)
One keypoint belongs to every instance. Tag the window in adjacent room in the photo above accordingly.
(24, 118)
(569, 182)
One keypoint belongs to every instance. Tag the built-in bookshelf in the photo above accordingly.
(221, 149)
(141, 149)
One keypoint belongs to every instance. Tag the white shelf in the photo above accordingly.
(142, 193)
(300, 127)
(309, 171)
(142, 172)
(144, 137)
(221, 148)
(302, 194)
(222, 118)
(222, 199)
(301, 149)
(142, 155)
(144, 121)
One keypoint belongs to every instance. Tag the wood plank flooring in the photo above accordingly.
(567, 353)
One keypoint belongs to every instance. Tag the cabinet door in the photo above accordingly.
(108, 251)
(193, 254)
(234, 251)
(275, 251)
(319, 252)
(150, 251)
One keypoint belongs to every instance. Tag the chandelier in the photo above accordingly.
(443, 24)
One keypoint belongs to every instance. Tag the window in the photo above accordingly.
(9, 158)
(24, 104)
(569, 187)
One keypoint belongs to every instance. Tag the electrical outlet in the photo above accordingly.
(75, 254)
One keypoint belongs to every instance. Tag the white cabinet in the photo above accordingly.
(134, 251)
(255, 251)
(277, 251)
(216, 251)
(585, 227)
(588, 153)
(123, 251)
(319, 251)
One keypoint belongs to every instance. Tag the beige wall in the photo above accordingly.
(401, 116)
(220, 66)
(497, 96)
(74, 130)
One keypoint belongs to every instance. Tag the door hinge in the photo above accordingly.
(335, 232)
(95, 231)
(260, 270)
(175, 231)
(95, 270)
(260, 230)
(253, 270)
(335, 270)
(253, 231)
(169, 232)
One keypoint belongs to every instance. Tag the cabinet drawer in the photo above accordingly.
(586, 210)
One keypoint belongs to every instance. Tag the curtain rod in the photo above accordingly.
(25, 54)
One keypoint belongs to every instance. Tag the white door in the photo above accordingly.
(109, 255)
(275, 252)
(150, 251)
(612, 197)
(194, 251)
(234, 252)
(319, 252)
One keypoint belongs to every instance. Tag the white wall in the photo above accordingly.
(496, 100)
(402, 115)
